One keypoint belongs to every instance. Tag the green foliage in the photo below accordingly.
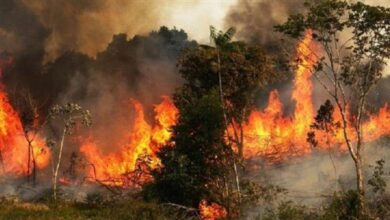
(324, 118)
(344, 206)
(198, 162)
(352, 46)
(377, 181)
(70, 114)
(288, 210)
(222, 39)
(243, 69)
(258, 194)
(360, 57)
(380, 202)
(323, 121)
(131, 209)
(195, 164)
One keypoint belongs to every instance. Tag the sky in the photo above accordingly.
(195, 17)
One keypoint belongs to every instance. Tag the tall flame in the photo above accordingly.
(268, 133)
(143, 140)
(13, 144)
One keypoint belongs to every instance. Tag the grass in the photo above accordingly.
(68, 210)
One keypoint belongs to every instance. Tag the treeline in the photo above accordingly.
(204, 160)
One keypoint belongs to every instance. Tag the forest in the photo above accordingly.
(281, 112)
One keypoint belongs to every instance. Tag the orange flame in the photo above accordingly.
(268, 133)
(142, 141)
(13, 145)
(212, 211)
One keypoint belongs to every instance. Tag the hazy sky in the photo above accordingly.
(195, 17)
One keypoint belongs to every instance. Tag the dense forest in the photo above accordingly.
(281, 115)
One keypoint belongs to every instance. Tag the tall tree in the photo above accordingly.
(236, 70)
(241, 70)
(354, 41)
(69, 115)
(222, 42)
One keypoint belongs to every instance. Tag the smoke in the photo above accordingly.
(20, 30)
(65, 51)
(141, 68)
(69, 51)
(311, 180)
(87, 26)
(255, 21)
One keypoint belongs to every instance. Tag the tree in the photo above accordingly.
(241, 70)
(69, 114)
(196, 163)
(324, 122)
(222, 41)
(354, 41)
(28, 109)
(234, 69)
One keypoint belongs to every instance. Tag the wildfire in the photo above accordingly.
(125, 167)
(268, 133)
(13, 144)
(211, 211)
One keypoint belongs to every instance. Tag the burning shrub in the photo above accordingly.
(211, 211)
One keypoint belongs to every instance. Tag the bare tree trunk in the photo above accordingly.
(33, 171)
(241, 150)
(237, 179)
(221, 89)
(58, 165)
(2, 161)
(356, 155)
(28, 161)
(331, 158)
(360, 186)
(359, 156)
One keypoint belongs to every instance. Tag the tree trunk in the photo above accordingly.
(356, 155)
(58, 165)
(359, 156)
(2, 161)
(33, 168)
(237, 179)
(28, 161)
(360, 186)
(241, 150)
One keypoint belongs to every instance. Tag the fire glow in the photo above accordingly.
(14, 149)
(143, 140)
(266, 133)
(211, 211)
